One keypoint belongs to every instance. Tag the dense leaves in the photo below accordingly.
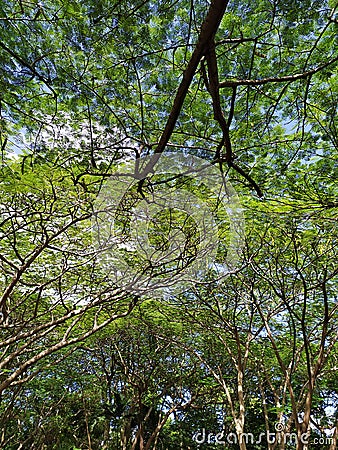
(86, 87)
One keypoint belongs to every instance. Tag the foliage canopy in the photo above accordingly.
(250, 87)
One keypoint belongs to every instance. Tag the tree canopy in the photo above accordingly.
(164, 95)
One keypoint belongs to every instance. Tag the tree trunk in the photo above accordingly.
(333, 445)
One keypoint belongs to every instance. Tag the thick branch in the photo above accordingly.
(208, 31)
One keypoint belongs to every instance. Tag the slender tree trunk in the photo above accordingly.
(333, 445)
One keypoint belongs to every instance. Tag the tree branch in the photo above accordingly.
(286, 78)
(208, 31)
(219, 116)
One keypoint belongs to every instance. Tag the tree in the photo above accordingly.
(54, 293)
(250, 87)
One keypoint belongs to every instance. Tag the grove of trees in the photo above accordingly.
(247, 360)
